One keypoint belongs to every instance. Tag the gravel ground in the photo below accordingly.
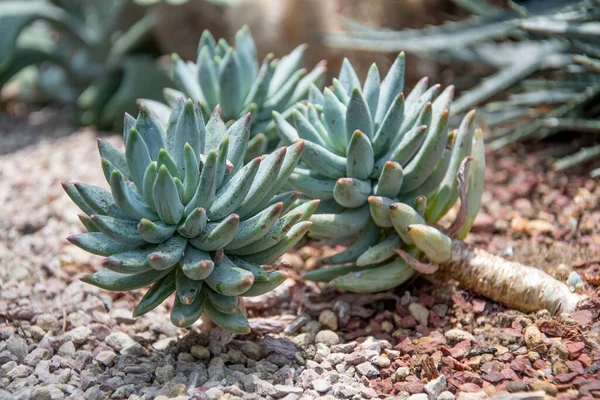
(60, 338)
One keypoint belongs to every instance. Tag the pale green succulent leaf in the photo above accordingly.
(138, 158)
(129, 262)
(164, 158)
(114, 155)
(223, 304)
(155, 232)
(421, 167)
(380, 252)
(100, 200)
(184, 78)
(447, 191)
(207, 77)
(276, 278)
(260, 275)
(324, 161)
(380, 210)
(334, 114)
(167, 253)
(286, 68)
(402, 216)
(123, 231)
(345, 224)
(217, 235)
(352, 192)
(98, 243)
(231, 195)
(158, 293)
(390, 126)
(231, 86)
(205, 192)
(358, 116)
(127, 200)
(229, 279)
(184, 315)
(151, 130)
(235, 323)
(253, 229)
(117, 282)
(367, 238)
(360, 156)
(196, 264)
(390, 180)
(378, 279)
(371, 89)
(187, 289)
(348, 77)
(391, 86)
(475, 185)
(432, 242)
(166, 197)
(148, 184)
(287, 243)
(262, 182)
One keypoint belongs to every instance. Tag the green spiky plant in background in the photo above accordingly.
(185, 215)
(85, 54)
(386, 169)
(232, 78)
(546, 59)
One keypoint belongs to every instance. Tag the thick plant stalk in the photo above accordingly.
(515, 285)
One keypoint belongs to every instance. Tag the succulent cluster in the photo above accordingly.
(91, 55)
(232, 78)
(186, 215)
(190, 212)
(386, 169)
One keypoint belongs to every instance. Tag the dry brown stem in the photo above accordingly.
(515, 285)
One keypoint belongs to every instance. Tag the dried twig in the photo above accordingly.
(462, 178)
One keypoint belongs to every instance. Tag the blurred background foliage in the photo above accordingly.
(531, 67)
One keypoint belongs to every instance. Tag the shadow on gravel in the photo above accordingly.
(17, 132)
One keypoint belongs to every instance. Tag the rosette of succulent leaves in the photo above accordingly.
(187, 216)
(232, 77)
(386, 169)
(92, 55)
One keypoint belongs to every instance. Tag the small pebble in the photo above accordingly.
(327, 337)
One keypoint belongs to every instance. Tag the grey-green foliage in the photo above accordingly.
(186, 215)
(546, 56)
(87, 54)
(232, 78)
(368, 149)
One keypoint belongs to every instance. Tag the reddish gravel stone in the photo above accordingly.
(552, 328)
(575, 366)
(408, 322)
(478, 305)
(575, 348)
(583, 317)
(469, 387)
(563, 378)
(410, 387)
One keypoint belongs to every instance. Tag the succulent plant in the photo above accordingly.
(233, 78)
(186, 215)
(385, 168)
(91, 55)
